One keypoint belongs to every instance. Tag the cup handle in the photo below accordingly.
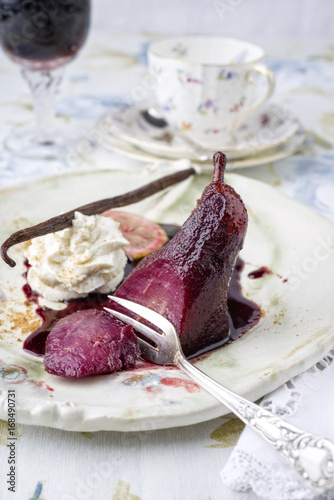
(270, 77)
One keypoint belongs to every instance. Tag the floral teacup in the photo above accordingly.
(208, 85)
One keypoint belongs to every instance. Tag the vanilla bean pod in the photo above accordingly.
(65, 220)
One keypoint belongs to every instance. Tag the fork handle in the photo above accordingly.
(311, 456)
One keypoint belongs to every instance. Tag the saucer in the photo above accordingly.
(115, 144)
(263, 130)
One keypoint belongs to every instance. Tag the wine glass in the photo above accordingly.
(42, 36)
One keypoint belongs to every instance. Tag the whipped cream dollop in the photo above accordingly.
(87, 257)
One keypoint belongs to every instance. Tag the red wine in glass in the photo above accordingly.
(41, 36)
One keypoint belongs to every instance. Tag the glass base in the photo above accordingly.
(26, 145)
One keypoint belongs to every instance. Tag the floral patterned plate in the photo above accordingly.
(291, 146)
(296, 329)
(261, 131)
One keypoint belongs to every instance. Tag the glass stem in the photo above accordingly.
(43, 86)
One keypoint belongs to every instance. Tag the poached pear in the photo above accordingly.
(187, 280)
(90, 342)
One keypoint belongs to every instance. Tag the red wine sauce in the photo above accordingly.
(259, 273)
(243, 313)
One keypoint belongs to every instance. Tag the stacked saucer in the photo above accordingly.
(267, 135)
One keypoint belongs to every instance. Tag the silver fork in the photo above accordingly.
(311, 456)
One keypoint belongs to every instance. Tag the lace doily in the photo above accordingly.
(306, 401)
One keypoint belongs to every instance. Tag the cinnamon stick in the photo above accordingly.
(65, 220)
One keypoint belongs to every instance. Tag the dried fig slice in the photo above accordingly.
(143, 235)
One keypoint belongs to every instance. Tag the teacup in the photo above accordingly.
(208, 85)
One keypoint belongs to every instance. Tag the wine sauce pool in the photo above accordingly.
(259, 273)
(243, 313)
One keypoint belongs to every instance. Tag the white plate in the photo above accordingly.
(262, 130)
(113, 143)
(296, 330)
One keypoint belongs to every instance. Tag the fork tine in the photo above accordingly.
(145, 330)
(148, 351)
(151, 316)
(168, 342)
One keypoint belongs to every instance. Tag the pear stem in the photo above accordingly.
(219, 164)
